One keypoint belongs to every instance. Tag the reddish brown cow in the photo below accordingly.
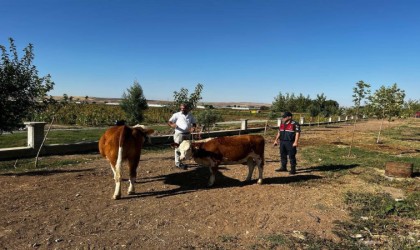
(228, 150)
(123, 143)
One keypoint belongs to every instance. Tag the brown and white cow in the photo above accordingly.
(228, 150)
(123, 143)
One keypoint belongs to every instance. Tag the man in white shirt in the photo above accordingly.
(184, 123)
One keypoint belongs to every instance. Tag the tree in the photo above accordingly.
(359, 93)
(387, 103)
(181, 97)
(410, 108)
(134, 103)
(284, 102)
(313, 110)
(302, 103)
(208, 118)
(65, 99)
(331, 107)
(22, 91)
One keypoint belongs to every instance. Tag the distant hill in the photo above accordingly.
(118, 100)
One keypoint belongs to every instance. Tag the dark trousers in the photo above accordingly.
(287, 149)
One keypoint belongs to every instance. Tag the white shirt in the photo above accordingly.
(183, 122)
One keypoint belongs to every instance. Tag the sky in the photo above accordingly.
(240, 50)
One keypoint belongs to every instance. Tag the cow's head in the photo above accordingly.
(185, 150)
(144, 131)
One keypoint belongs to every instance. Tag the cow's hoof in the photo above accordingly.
(260, 181)
(116, 197)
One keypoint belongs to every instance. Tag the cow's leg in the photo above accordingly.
(213, 170)
(132, 164)
(260, 164)
(117, 175)
(251, 165)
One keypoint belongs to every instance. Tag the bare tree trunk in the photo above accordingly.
(352, 137)
(379, 134)
(265, 128)
(43, 141)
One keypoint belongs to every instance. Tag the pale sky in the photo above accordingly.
(244, 50)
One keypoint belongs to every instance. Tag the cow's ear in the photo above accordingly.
(174, 145)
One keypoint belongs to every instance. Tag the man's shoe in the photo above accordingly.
(292, 170)
(281, 169)
(181, 166)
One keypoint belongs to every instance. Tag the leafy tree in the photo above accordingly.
(21, 89)
(291, 102)
(387, 103)
(314, 110)
(208, 118)
(209, 106)
(284, 102)
(182, 97)
(331, 107)
(359, 93)
(134, 103)
(302, 103)
(410, 108)
(320, 101)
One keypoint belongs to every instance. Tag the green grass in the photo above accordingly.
(45, 163)
(380, 220)
(333, 155)
(302, 240)
(18, 139)
(73, 136)
(69, 135)
(377, 222)
(63, 136)
(54, 137)
(333, 162)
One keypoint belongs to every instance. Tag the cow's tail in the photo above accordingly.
(259, 148)
(121, 141)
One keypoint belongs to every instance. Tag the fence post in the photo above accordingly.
(339, 119)
(302, 120)
(244, 124)
(35, 133)
(278, 122)
(330, 119)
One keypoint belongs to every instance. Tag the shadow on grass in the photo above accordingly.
(291, 179)
(328, 168)
(45, 172)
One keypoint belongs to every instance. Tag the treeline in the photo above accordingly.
(91, 114)
(319, 106)
(85, 114)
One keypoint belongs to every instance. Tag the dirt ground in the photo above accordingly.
(71, 207)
